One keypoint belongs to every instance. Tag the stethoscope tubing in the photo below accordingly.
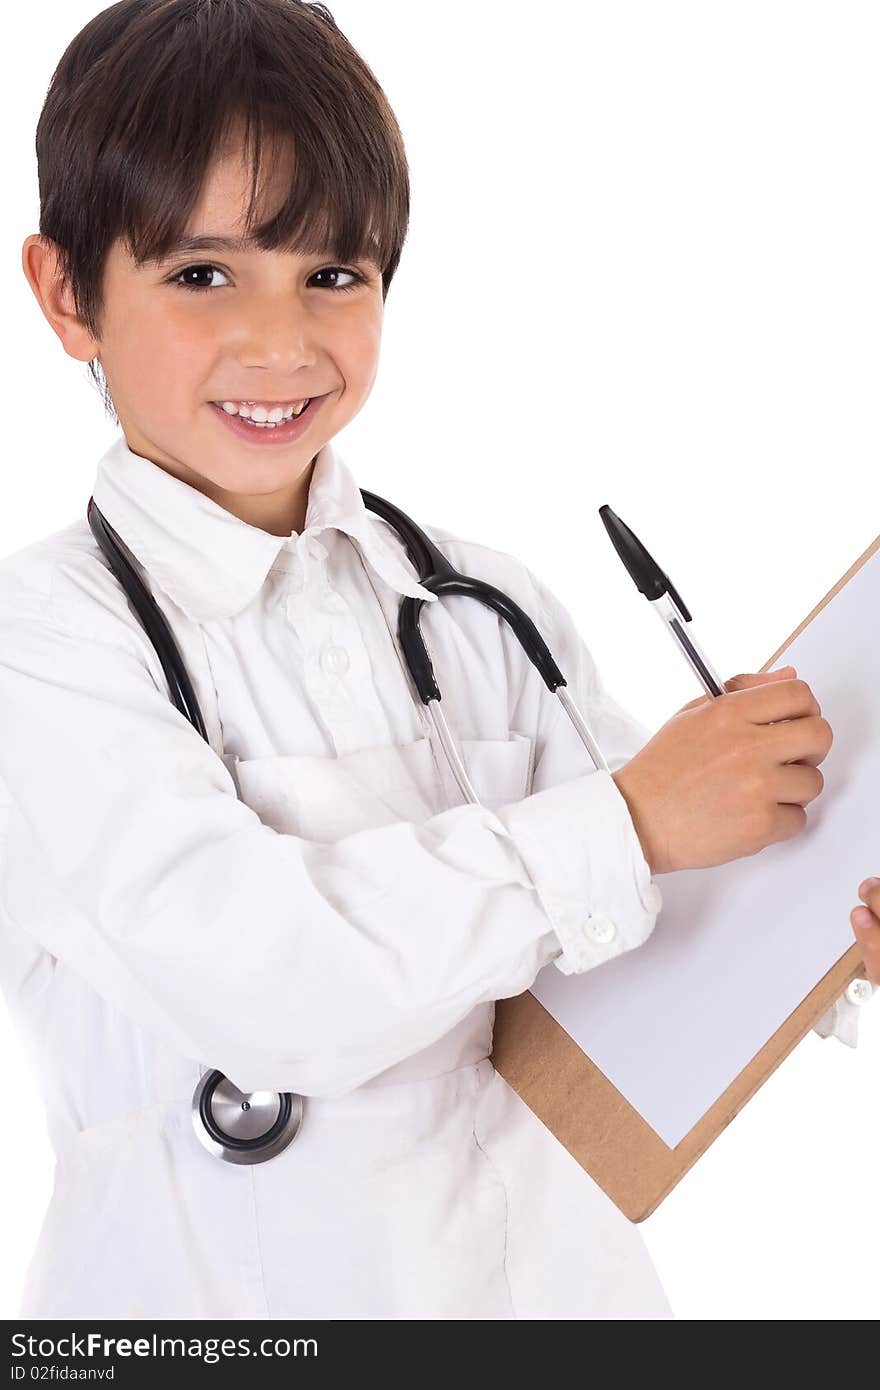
(439, 577)
(151, 617)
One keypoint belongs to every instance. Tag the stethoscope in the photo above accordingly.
(254, 1126)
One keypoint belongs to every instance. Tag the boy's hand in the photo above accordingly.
(725, 777)
(865, 920)
(866, 926)
(785, 673)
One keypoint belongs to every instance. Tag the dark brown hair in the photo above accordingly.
(149, 90)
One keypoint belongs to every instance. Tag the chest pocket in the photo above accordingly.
(324, 799)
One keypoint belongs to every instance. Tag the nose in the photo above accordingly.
(277, 337)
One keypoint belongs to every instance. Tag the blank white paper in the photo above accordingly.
(737, 947)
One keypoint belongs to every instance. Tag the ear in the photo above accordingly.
(42, 267)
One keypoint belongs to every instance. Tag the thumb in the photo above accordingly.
(745, 682)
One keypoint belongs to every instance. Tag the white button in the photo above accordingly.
(601, 928)
(859, 991)
(334, 660)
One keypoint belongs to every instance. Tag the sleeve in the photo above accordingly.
(841, 1021)
(624, 891)
(624, 901)
(286, 963)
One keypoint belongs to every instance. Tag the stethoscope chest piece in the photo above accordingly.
(243, 1126)
(253, 1126)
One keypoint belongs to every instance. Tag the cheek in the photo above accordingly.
(184, 340)
(171, 359)
(358, 351)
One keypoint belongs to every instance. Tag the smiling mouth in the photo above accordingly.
(282, 427)
(265, 411)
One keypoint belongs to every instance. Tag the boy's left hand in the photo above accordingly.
(866, 926)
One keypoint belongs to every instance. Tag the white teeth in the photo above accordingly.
(262, 415)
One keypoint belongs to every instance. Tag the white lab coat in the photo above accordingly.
(308, 906)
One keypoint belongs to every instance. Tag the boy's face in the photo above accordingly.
(265, 329)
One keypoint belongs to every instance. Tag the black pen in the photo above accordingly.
(660, 592)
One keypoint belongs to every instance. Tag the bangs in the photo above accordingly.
(200, 72)
(151, 92)
(335, 203)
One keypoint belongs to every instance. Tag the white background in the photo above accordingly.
(642, 269)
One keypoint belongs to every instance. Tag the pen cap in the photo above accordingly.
(643, 569)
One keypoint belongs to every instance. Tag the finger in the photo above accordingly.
(806, 740)
(869, 892)
(796, 784)
(866, 928)
(747, 679)
(779, 700)
(744, 681)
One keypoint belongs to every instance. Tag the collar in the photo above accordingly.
(210, 562)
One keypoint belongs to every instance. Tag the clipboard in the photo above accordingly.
(593, 1119)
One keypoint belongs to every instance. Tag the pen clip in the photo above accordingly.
(677, 600)
(643, 569)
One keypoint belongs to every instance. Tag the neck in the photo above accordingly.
(280, 513)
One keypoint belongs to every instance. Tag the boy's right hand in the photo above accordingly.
(728, 775)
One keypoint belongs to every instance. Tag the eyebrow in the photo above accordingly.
(205, 243)
(187, 244)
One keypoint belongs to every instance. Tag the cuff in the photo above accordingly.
(579, 844)
(841, 1021)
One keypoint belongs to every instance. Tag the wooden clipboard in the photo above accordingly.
(590, 1116)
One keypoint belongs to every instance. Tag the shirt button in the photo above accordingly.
(601, 928)
(859, 991)
(334, 660)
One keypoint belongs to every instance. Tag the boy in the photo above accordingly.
(302, 902)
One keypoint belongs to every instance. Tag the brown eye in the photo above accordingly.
(339, 270)
(194, 270)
